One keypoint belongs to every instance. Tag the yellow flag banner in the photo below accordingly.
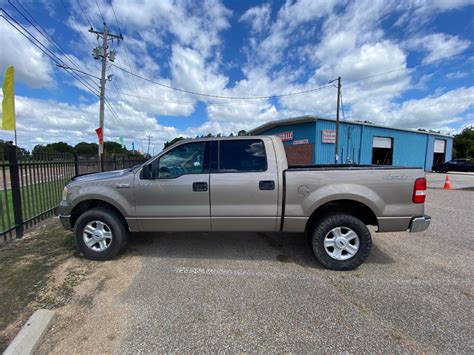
(8, 103)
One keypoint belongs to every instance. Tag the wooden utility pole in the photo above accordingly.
(102, 53)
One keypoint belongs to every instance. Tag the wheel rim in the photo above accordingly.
(341, 243)
(97, 235)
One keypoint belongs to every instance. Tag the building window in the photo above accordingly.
(382, 151)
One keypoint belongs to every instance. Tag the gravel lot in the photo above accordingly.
(263, 292)
(458, 180)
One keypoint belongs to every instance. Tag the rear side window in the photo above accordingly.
(242, 155)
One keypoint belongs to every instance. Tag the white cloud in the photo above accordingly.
(258, 17)
(437, 111)
(32, 67)
(438, 45)
(45, 121)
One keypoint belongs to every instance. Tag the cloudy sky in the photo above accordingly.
(243, 51)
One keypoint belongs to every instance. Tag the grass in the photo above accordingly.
(36, 199)
(25, 268)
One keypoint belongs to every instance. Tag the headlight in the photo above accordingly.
(65, 192)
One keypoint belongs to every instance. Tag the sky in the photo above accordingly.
(248, 53)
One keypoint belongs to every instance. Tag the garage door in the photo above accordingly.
(382, 142)
(439, 146)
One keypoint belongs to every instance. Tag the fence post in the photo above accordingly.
(16, 193)
(102, 163)
(123, 162)
(76, 164)
(115, 163)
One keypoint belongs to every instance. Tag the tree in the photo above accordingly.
(86, 148)
(173, 141)
(52, 148)
(114, 148)
(242, 132)
(463, 145)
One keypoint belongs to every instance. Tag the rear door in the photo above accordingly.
(175, 197)
(244, 186)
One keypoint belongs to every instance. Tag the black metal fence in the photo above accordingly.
(31, 185)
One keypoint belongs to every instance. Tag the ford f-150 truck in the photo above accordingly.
(244, 184)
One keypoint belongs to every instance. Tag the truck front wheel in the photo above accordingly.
(340, 241)
(100, 234)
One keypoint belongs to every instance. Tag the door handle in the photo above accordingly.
(266, 185)
(200, 186)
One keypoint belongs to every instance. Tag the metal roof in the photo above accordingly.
(311, 118)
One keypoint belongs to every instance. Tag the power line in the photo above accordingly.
(221, 96)
(113, 10)
(78, 27)
(51, 55)
(281, 95)
(84, 13)
(138, 102)
(408, 68)
(184, 102)
(100, 11)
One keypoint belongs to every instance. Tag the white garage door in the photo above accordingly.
(439, 146)
(382, 142)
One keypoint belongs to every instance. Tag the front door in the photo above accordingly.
(175, 195)
(244, 187)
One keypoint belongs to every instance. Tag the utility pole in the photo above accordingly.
(336, 155)
(102, 53)
(148, 149)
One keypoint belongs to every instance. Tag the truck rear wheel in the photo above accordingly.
(341, 241)
(100, 234)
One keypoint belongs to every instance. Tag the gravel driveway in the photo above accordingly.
(265, 292)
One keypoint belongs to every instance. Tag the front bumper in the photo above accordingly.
(419, 224)
(65, 221)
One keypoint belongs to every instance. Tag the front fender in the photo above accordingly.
(123, 202)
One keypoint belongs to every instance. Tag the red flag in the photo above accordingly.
(100, 135)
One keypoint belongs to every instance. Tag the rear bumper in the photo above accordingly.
(420, 224)
(65, 221)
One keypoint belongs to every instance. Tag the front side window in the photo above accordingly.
(182, 160)
(242, 155)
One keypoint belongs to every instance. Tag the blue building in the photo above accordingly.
(311, 140)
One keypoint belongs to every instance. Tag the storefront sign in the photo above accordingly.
(328, 136)
(285, 136)
(301, 141)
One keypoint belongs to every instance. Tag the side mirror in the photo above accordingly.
(146, 170)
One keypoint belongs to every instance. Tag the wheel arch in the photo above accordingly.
(87, 205)
(352, 207)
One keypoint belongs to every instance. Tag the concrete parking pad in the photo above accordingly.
(265, 292)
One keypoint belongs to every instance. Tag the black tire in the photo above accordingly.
(325, 225)
(113, 224)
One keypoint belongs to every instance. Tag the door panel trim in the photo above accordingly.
(174, 224)
(243, 224)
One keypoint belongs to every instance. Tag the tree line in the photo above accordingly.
(82, 148)
(209, 135)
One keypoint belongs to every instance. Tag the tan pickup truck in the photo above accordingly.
(244, 184)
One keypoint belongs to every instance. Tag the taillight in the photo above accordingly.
(419, 191)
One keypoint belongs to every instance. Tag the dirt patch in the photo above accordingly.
(94, 317)
(26, 267)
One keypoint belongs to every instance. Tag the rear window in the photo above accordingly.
(242, 155)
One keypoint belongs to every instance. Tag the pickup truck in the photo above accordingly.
(244, 184)
(454, 165)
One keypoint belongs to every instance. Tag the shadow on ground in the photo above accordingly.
(282, 247)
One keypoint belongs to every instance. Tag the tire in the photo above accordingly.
(100, 234)
(349, 236)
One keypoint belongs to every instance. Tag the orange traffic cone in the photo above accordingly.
(447, 183)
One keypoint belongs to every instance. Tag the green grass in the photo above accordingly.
(36, 199)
